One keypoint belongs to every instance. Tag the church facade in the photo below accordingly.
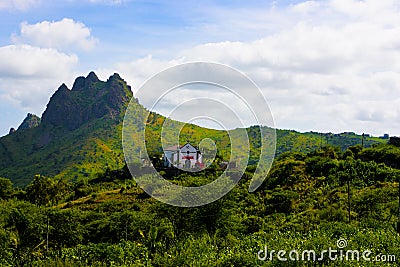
(186, 157)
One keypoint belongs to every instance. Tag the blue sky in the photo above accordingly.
(323, 65)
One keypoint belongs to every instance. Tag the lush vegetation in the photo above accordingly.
(303, 204)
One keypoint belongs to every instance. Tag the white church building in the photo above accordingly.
(186, 157)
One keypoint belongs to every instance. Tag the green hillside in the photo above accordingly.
(79, 135)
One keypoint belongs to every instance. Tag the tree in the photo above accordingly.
(45, 191)
(6, 188)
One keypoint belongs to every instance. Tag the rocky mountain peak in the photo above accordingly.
(63, 88)
(90, 98)
(31, 121)
(115, 76)
(92, 77)
(82, 83)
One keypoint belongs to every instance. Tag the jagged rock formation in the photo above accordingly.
(31, 121)
(79, 133)
(89, 99)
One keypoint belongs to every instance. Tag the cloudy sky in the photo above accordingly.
(328, 66)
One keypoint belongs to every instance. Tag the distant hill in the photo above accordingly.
(79, 134)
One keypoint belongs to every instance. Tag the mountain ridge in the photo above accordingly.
(80, 134)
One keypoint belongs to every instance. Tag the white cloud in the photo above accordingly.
(138, 71)
(307, 7)
(18, 4)
(332, 66)
(30, 74)
(65, 34)
(29, 61)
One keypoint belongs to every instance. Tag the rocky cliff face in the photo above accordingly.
(88, 99)
(31, 121)
(79, 134)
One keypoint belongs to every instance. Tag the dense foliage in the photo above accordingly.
(303, 204)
